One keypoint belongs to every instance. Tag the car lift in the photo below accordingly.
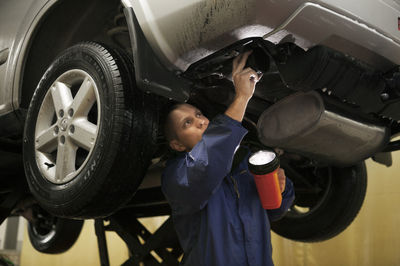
(141, 243)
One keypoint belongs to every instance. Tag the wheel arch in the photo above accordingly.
(63, 24)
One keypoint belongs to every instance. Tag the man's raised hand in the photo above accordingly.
(244, 79)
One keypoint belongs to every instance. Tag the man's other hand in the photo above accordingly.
(281, 179)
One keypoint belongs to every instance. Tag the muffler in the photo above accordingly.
(321, 128)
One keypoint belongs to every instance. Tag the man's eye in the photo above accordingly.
(188, 122)
(199, 114)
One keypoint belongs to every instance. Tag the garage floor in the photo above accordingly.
(372, 239)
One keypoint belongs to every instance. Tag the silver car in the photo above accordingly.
(84, 84)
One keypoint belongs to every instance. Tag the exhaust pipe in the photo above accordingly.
(322, 129)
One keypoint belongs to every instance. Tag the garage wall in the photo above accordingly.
(84, 252)
(372, 239)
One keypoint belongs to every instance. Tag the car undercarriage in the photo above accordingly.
(325, 108)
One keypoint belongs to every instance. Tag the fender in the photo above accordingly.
(151, 75)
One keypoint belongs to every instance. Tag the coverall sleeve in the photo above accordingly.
(287, 200)
(189, 182)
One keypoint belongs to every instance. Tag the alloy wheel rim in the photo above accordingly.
(67, 126)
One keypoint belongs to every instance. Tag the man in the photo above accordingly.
(216, 210)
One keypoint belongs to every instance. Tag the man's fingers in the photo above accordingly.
(243, 60)
(235, 61)
(282, 185)
(246, 55)
(281, 173)
(240, 61)
(235, 64)
(248, 70)
(282, 179)
(250, 74)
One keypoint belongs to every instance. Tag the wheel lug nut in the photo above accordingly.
(62, 139)
(71, 112)
(56, 129)
(61, 113)
(72, 129)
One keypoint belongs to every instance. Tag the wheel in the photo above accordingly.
(89, 133)
(327, 201)
(52, 235)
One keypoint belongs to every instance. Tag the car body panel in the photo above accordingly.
(12, 14)
(313, 24)
(179, 33)
(183, 32)
(18, 21)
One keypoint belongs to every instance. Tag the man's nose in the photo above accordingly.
(200, 122)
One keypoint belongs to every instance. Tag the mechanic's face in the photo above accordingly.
(189, 125)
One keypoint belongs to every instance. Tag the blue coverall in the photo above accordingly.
(217, 213)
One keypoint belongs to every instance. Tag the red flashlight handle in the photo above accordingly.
(269, 190)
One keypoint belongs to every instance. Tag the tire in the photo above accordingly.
(330, 209)
(53, 235)
(87, 158)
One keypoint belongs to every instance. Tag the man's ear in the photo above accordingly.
(177, 145)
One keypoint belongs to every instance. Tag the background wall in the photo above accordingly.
(83, 253)
(372, 239)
